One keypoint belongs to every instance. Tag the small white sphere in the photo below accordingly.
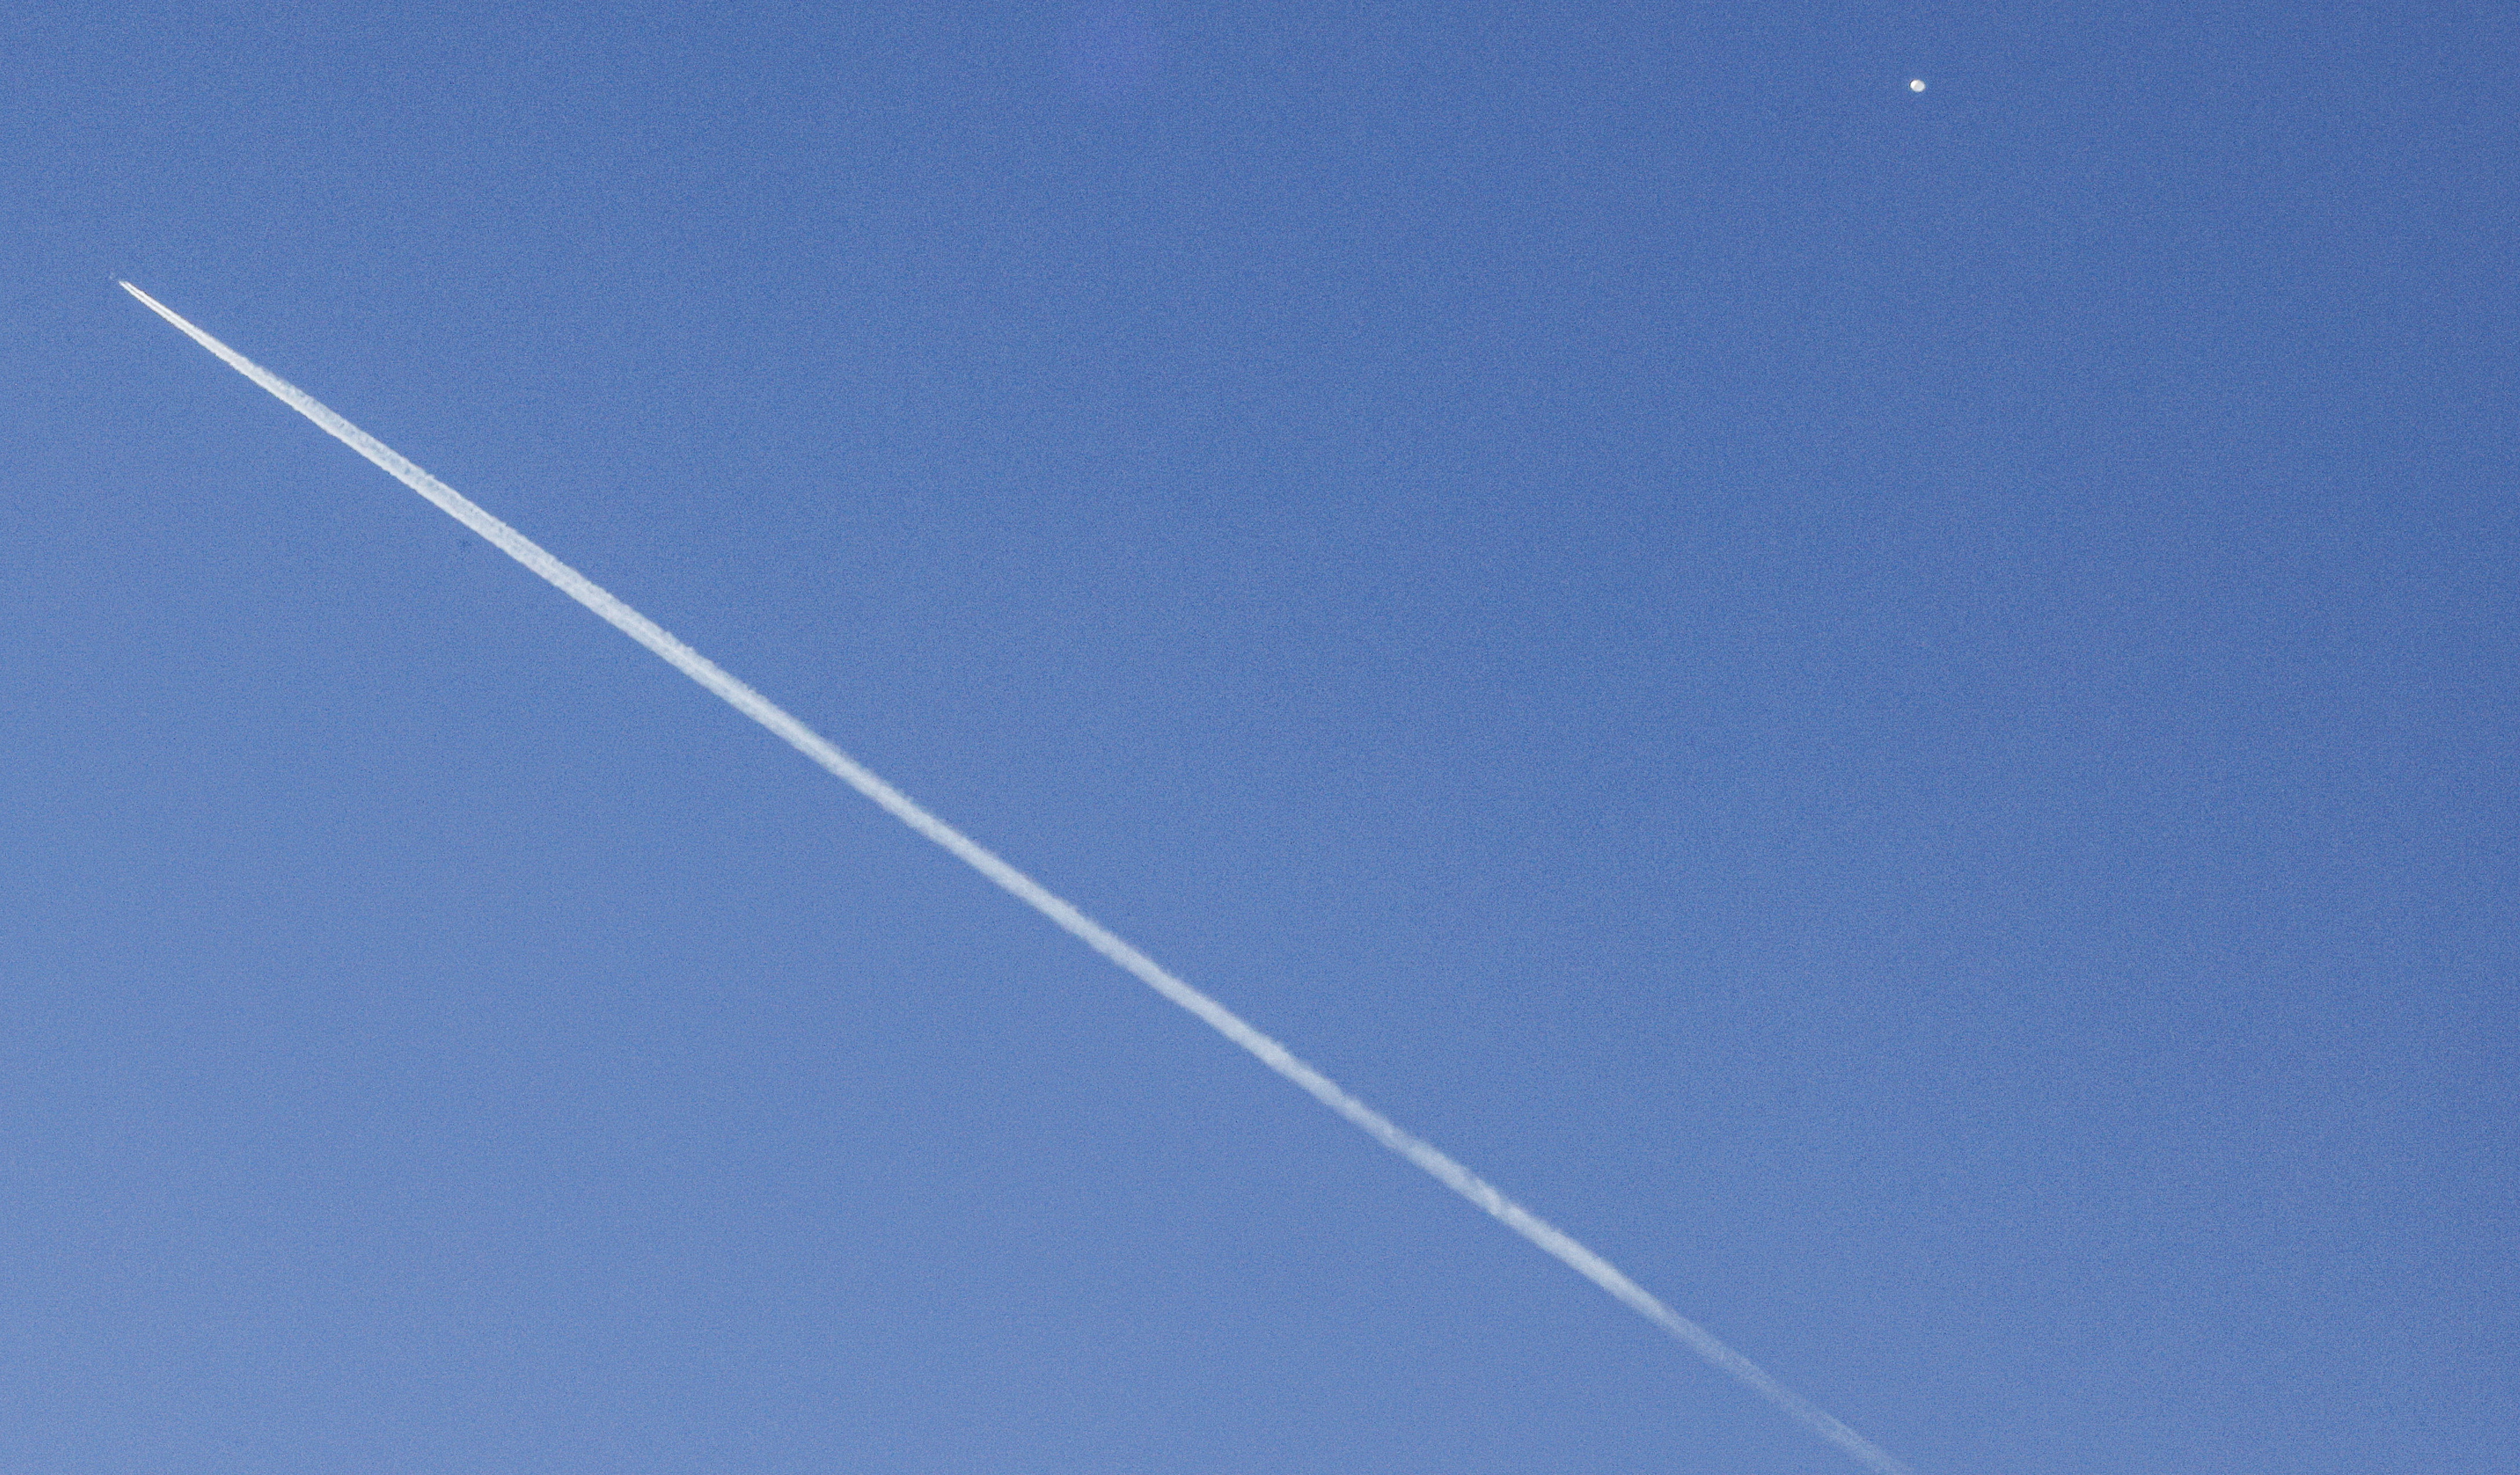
(1919, 85)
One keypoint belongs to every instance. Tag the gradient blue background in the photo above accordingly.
(1898, 708)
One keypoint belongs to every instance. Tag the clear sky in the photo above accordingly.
(1895, 707)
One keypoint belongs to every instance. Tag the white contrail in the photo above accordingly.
(1032, 893)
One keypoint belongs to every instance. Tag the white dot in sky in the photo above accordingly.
(1919, 85)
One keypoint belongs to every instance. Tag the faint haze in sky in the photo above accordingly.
(1110, 52)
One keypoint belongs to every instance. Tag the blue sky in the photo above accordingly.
(1894, 706)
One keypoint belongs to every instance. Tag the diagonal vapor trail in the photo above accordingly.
(1032, 893)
